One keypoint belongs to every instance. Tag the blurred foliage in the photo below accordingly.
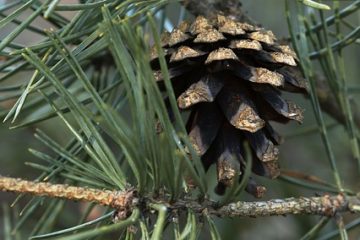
(79, 71)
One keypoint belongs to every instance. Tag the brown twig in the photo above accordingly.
(330, 104)
(125, 201)
(120, 200)
(209, 8)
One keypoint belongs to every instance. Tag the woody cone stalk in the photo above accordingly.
(230, 76)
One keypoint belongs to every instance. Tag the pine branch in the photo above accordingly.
(125, 201)
(122, 201)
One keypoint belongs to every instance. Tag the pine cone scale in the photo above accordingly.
(185, 52)
(209, 36)
(240, 110)
(221, 54)
(207, 122)
(204, 90)
(245, 44)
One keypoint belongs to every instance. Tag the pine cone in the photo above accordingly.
(229, 75)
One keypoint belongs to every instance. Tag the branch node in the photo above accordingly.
(124, 202)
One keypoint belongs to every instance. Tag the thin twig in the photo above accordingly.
(125, 201)
(122, 201)
(330, 105)
(209, 8)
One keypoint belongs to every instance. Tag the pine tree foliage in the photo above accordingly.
(92, 72)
